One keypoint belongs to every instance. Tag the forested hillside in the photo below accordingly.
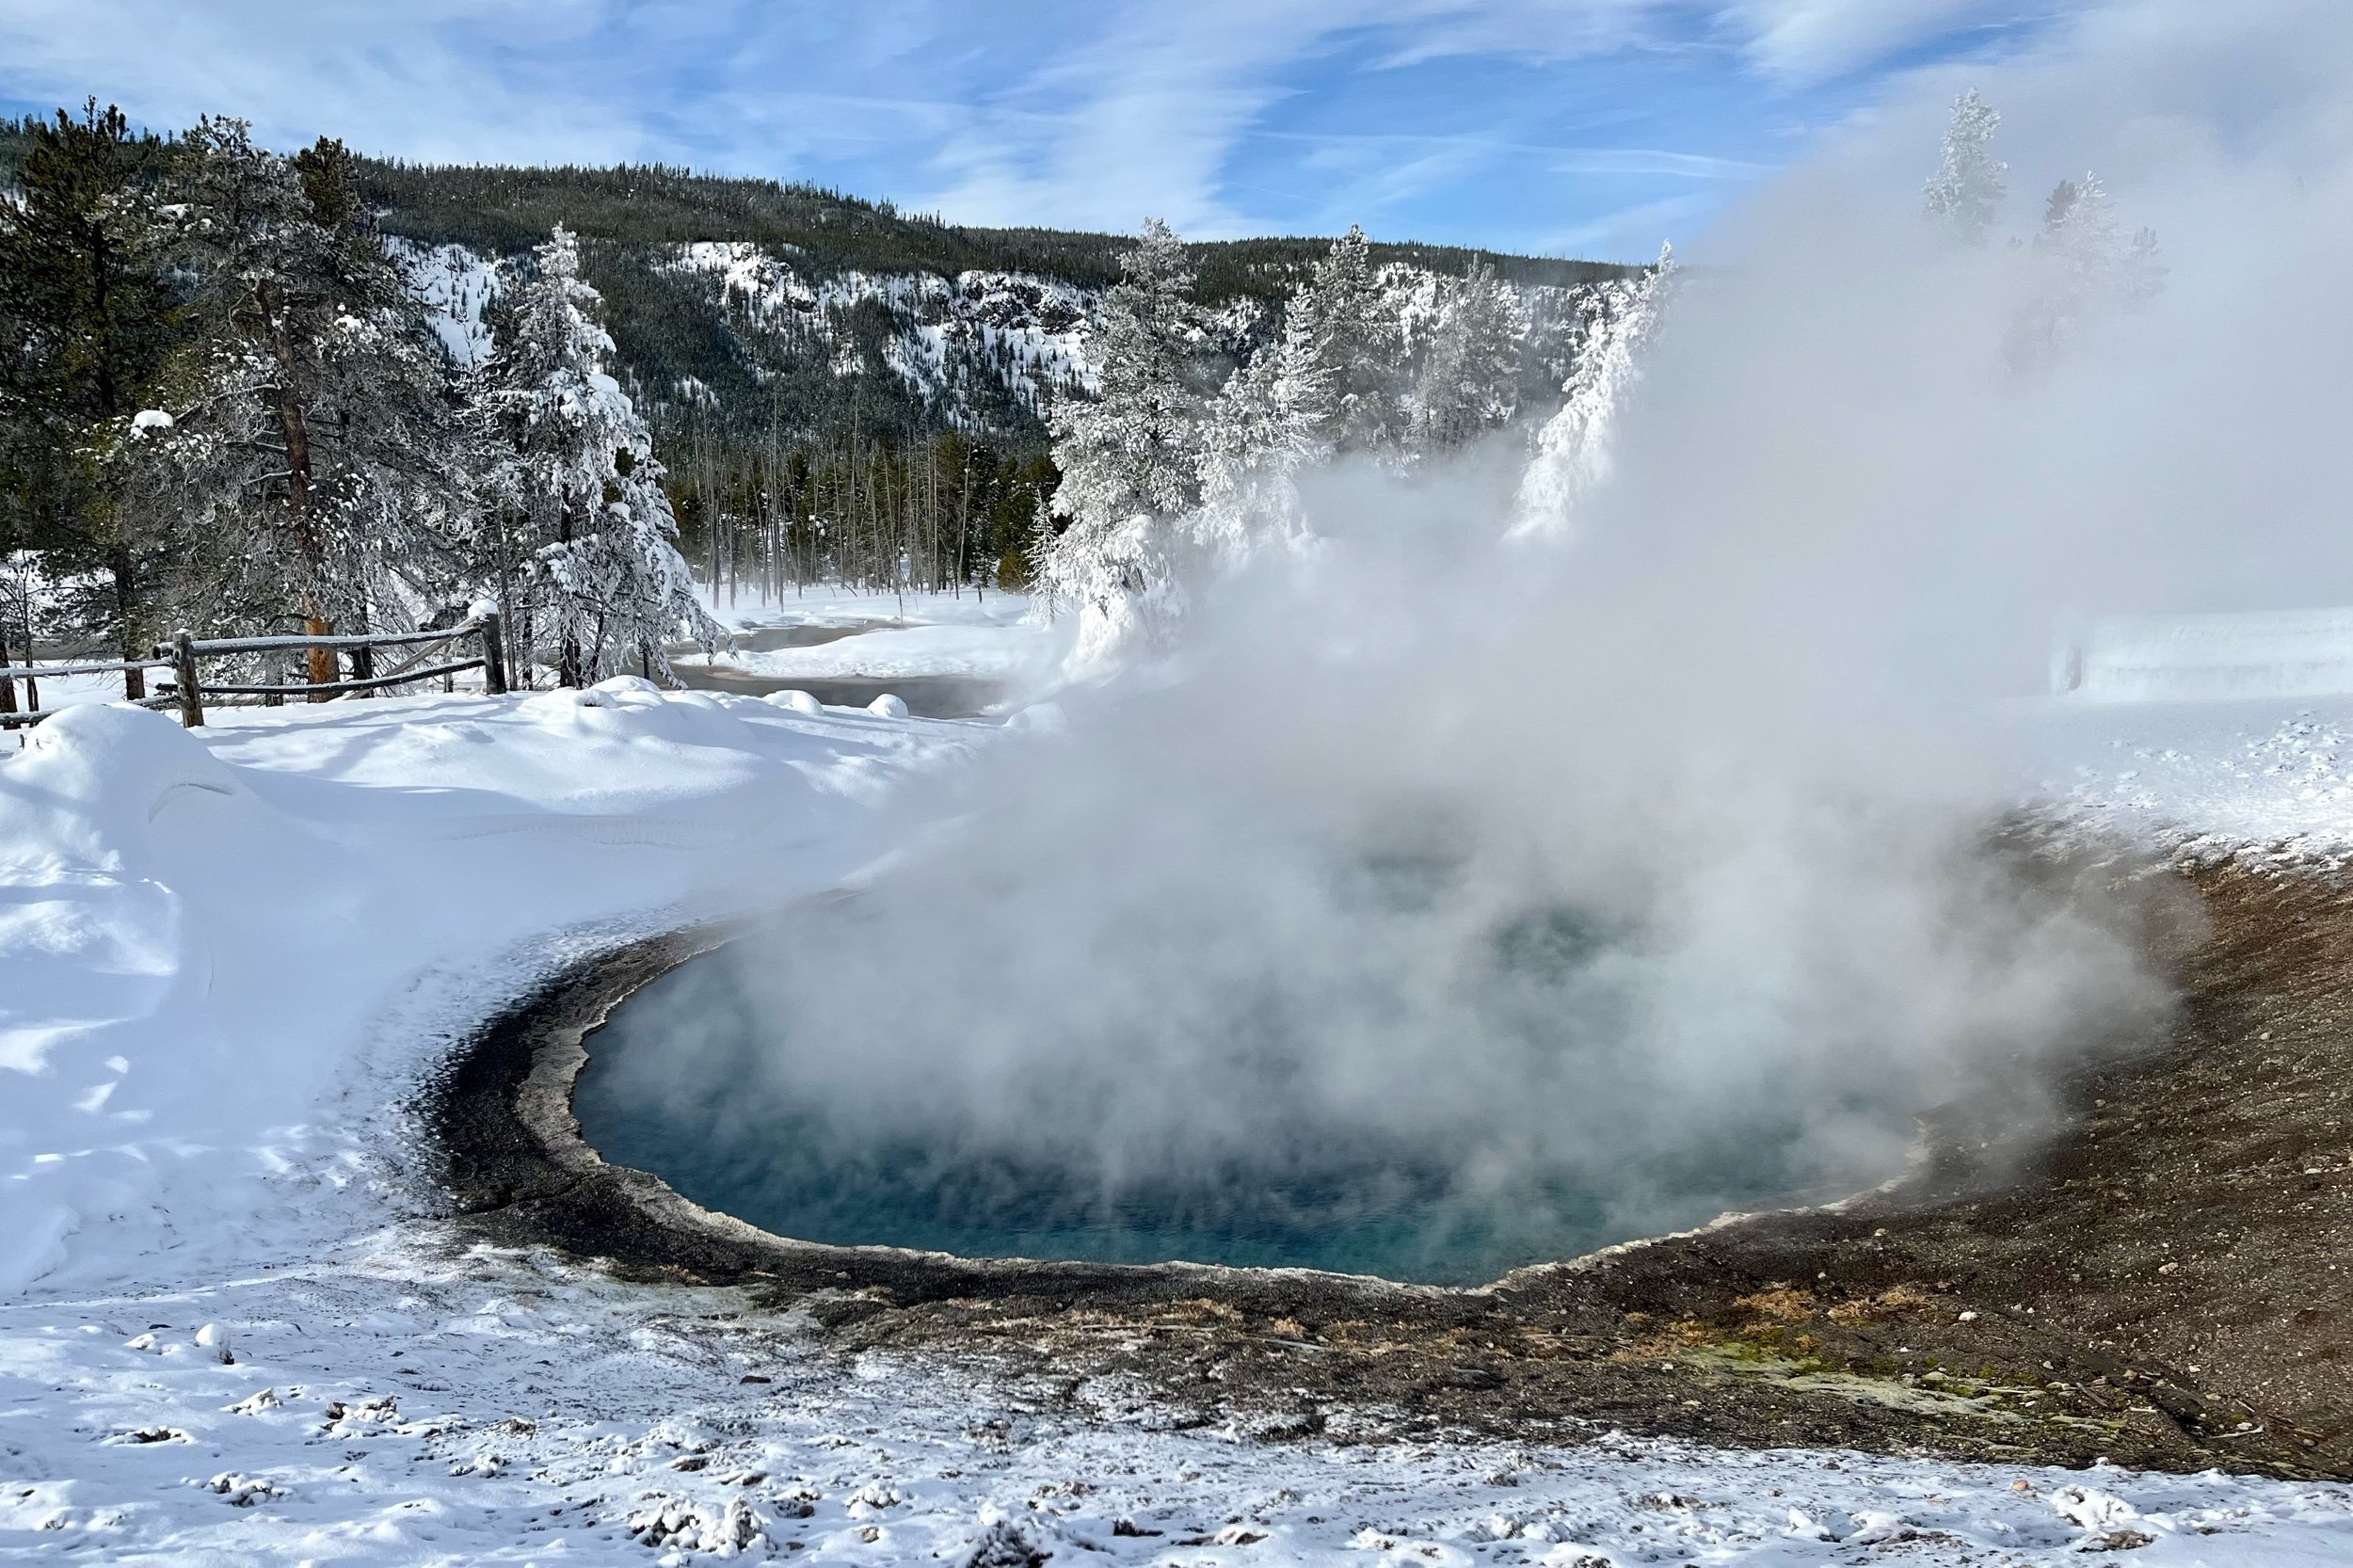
(788, 339)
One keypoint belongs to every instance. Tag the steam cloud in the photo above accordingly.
(1592, 886)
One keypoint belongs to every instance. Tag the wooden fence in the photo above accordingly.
(183, 656)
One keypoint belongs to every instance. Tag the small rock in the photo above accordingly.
(1000, 1545)
(2120, 1541)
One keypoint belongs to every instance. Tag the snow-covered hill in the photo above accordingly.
(1024, 337)
(982, 351)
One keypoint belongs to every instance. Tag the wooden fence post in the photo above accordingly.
(184, 671)
(493, 656)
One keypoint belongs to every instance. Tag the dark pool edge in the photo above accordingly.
(516, 1171)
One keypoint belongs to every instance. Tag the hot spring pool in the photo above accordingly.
(743, 1107)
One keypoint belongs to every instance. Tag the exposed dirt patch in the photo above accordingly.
(2168, 1283)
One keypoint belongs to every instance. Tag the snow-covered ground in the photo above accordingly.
(2272, 776)
(989, 637)
(229, 1333)
(67, 691)
(833, 604)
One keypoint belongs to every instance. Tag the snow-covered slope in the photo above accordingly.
(1023, 335)
(457, 287)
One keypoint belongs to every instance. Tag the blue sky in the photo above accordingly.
(1589, 127)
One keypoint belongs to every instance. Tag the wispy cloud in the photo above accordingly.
(1222, 115)
(1565, 160)
(1799, 41)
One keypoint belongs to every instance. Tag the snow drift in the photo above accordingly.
(200, 936)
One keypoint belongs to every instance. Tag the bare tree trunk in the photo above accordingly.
(964, 524)
(307, 544)
(125, 574)
(32, 659)
(567, 652)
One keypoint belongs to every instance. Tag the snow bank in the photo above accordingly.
(2269, 653)
(199, 927)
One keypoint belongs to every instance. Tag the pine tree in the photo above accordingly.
(1130, 458)
(2142, 273)
(1272, 422)
(1467, 379)
(1332, 382)
(599, 584)
(2083, 234)
(307, 452)
(1352, 348)
(2091, 266)
(1573, 449)
(1964, 196)
(85, 318)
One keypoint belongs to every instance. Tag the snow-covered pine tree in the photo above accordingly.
(1964, 196)
(1350, 337)
(305, 461)
(1573, 449)
(2142, 273)
(1271, 422)
(2091, 266)
(580, 532)
(1467, 380)
(1130, 458)
(1330, 383)
(2083, 233)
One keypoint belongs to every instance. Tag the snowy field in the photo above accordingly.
(2268, 776)
(983, 636)
(832, 605)
(228, 1334)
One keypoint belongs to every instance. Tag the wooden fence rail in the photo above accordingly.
(187, 691)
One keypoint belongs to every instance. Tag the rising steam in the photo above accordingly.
(1644, 872)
